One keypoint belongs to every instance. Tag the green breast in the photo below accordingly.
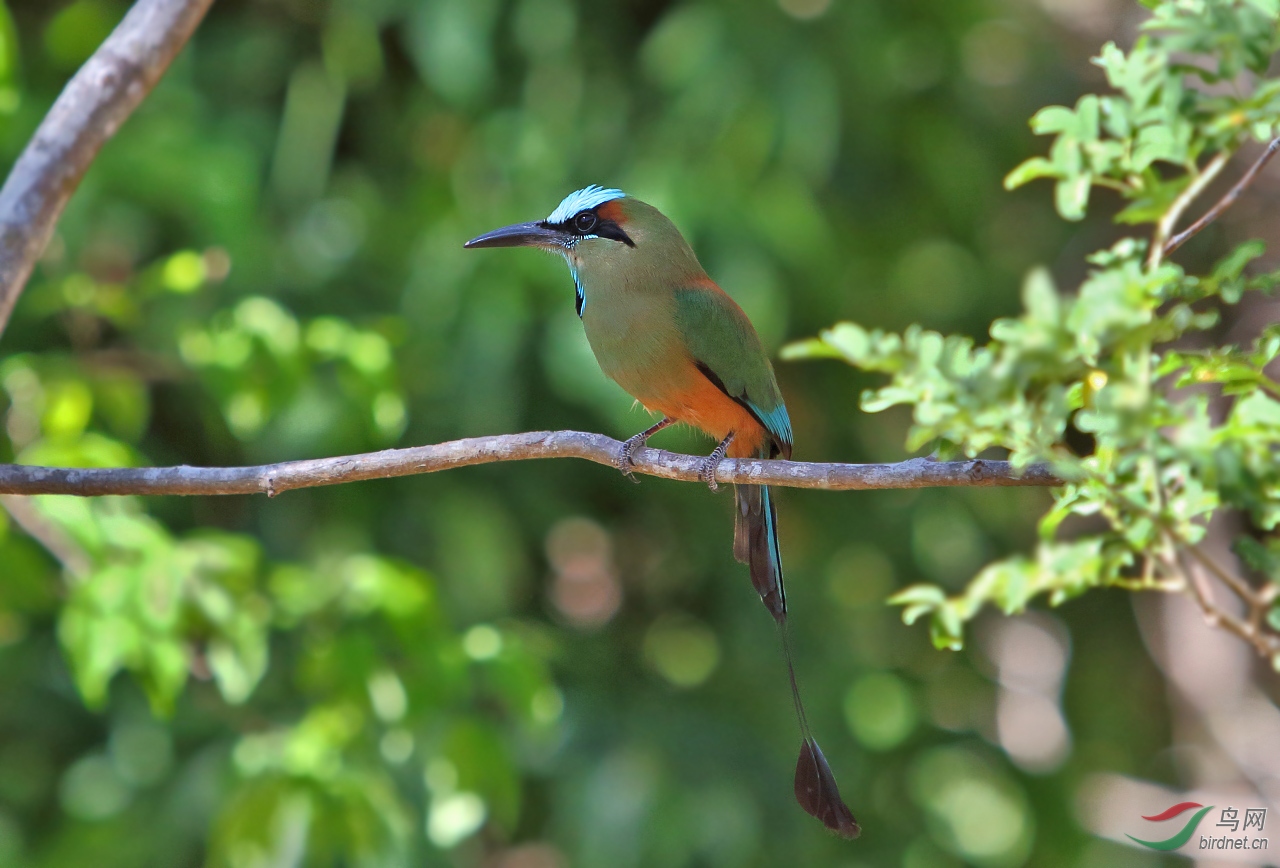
(628, 302)
(630, 323)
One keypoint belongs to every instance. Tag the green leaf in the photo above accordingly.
(848, 340)
(1260, 557)
(1153, 202)
(1040, 298)
(810, 348)
(918, 600)
(1071, 196)
(1029, 170)
(1054, 119)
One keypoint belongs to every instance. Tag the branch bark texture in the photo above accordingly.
(272, 479)
(97, 100)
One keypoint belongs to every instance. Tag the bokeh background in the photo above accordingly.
(534, 665)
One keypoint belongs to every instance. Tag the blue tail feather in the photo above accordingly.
(756, 543)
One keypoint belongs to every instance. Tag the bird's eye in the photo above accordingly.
(584, 222)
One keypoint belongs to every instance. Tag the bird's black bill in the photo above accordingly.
(817, 793)
(520, 235)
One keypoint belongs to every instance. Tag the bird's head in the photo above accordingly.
(590, 221)
(608, 239)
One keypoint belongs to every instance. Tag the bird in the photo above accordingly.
(665, 332)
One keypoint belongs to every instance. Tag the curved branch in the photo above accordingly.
(93, 105)
(1165, 227)
(272, 479)
(1228, 199)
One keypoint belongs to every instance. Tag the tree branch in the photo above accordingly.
(272, 479)
(55, 540)
(1238, 586)
(97, 100)
(1170, 219)
(1196, 585)
(1226, 201)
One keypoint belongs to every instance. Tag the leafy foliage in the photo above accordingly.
(1116, 140)
(1114, 360)
(537, 664)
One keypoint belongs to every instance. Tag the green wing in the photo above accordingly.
(727, 349)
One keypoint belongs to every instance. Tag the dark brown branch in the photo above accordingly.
(1226, 201)
(272, 479)
(97, 100)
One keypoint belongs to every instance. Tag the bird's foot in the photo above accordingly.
(707, 473)
(626, 460)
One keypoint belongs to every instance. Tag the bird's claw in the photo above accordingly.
(626, 461)
(707, 473)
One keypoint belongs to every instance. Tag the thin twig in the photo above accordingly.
(1198, 589)
(1170, 219)
(1226, 201)
(1194, 584)
(97, 100)
(1164, 585)
(56, 541)
(1242, 589)
(272, 479)
(1265, 644)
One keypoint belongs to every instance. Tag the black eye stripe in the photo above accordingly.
(581, 226)
(611, 230)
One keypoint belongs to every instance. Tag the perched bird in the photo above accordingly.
(663, 330)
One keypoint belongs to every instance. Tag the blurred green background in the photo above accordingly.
(527, 665)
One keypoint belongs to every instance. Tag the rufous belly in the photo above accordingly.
(697, 401)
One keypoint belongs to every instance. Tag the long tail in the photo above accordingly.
(755, 542)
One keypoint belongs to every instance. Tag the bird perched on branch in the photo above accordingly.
(663, 330)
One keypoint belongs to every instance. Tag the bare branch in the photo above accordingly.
(1197, 587)
(97, 100)
(1266, 644)
(55, 540)
(272, 479)
(1170, 219)
(1226, 201)
(1239, 586)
